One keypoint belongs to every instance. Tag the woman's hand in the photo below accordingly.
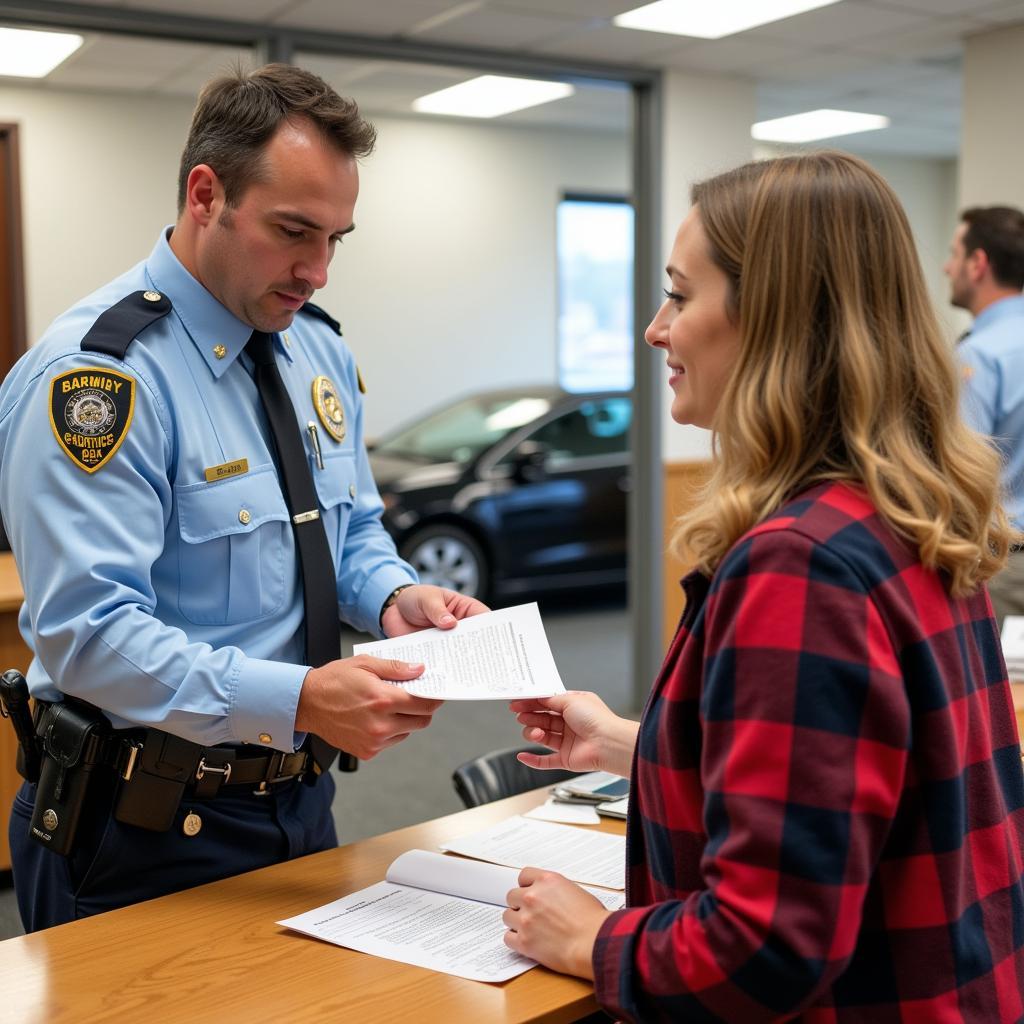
(584, 734)
(553, 921)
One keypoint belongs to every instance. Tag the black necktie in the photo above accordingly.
(319, 588)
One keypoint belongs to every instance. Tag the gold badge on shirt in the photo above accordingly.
(328, 407)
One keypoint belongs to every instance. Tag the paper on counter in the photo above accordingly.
(567, 814)
(442, 913)
(502, 655)
(594, 858)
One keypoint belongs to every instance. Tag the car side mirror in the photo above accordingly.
(529, 461)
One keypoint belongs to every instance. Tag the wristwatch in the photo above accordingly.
(391, 599)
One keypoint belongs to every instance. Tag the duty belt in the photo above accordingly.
(204, 771)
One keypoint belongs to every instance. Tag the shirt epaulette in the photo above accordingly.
(321, 314)
(117, 327)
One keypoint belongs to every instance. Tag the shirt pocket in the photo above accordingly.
(232, 550)
(337, 490)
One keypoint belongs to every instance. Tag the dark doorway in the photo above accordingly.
(12, 271)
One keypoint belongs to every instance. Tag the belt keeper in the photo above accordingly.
(210, 777)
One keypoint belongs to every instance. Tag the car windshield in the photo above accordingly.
(460, 432)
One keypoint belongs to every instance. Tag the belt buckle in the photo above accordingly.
(274, 774)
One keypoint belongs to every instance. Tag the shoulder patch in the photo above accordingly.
(116, 328)
(90, 411)
(321, 314)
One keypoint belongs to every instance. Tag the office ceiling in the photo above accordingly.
(896, 57)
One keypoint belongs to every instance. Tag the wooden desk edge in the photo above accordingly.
(157, 955)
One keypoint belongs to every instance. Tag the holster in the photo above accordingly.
(72, 739)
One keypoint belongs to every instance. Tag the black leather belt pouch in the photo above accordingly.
(150, 798)
(71, 740)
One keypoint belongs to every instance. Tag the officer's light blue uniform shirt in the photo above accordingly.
(993, 392)
(163, 598)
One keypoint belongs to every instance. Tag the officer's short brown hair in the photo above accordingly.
(238, 113)
(999, 232)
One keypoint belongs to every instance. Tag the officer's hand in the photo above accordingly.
(423, 606)
(349, 704)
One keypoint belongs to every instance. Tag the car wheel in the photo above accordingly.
(448, 556)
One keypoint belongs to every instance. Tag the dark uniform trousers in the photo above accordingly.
(114, 865)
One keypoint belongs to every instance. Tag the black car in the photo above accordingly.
(511, 491)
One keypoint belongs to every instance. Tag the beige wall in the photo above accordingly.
(706, 121)
(447, 286)
(992, 144)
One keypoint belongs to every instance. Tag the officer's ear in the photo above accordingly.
(204, 194)
(978, 265)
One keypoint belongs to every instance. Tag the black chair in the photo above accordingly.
(498, 774)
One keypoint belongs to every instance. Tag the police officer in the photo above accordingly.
(986, 273)
(150, 497)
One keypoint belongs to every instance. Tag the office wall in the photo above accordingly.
(992, 145)
(448, 284)
(928, 190)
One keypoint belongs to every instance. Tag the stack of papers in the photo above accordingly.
(1013, 647)
(591, 858)
(501, 655)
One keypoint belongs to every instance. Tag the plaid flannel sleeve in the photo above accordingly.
(806, 725)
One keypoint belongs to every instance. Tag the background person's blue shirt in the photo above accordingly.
(993, 390)
(165, 599)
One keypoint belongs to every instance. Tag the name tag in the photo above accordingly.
(222, 472)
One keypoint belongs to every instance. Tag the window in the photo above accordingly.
(595, 294)
(598, 427)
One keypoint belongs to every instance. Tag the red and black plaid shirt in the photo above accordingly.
(827, 809)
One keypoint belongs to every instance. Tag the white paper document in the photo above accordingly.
(500, 655)
(567, 814)
(442, 913)
(592, 858)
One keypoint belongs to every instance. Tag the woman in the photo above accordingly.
(827, 805)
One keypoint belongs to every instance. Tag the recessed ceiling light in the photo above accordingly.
(816, 124)
(714, 19)
(26, 53)
(491, 96)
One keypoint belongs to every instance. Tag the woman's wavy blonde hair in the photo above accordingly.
(842, 373)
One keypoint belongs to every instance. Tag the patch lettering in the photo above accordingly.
(90, 411)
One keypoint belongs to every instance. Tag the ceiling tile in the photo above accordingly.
(338, 71)
(211, 62)
(502, 29)
(941, 39)
(838, 25)
(618, 45)
(817, 65)
(110, 54)
(580, 8)
(592, 109)
(733, 55)
(358, 17)
(937, 8)
(229, 10)
(1002, 13)
(385, 85)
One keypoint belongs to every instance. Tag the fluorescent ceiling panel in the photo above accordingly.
(816, 124)
(491, 96)
(26, 53)
(714, 19)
